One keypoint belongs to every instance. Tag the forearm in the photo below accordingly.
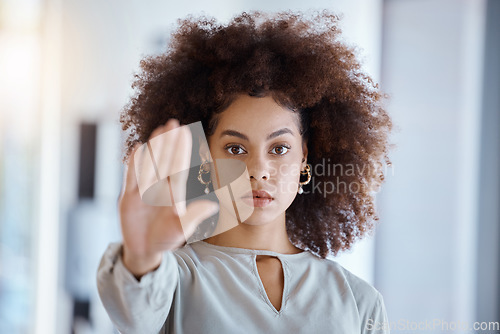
(140, 265)
(136, 306)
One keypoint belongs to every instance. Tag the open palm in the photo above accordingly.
(149, 230)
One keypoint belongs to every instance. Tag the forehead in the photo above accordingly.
(257, 114)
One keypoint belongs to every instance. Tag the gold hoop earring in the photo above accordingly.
(200, 176)
(306, 171)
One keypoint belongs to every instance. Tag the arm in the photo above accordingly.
(137, 289)
(136, 306)
(377, 321)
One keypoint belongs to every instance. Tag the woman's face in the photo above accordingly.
(265, 137)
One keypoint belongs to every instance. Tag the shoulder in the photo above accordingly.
(366, 296)
(363, 292)
(368, 301)
(196, 252)
(198, 256)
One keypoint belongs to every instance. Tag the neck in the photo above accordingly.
(270, 236)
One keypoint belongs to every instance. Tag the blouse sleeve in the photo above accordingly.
(136, 306)
(377, 321)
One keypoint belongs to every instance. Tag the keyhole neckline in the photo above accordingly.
(262, 289)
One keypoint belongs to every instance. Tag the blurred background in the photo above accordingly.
(65, 72)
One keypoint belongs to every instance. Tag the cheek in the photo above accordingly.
(287, 176)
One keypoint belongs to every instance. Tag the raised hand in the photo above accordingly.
(149, 230)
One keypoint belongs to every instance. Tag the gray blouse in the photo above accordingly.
(204, 288)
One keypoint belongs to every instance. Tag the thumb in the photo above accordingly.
(197, 212)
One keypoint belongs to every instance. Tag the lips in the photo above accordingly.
(259, 194)
(258, 199)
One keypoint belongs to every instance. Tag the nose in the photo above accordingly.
(264, 177)
(258, 169)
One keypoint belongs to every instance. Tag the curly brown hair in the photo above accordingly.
(302, 63)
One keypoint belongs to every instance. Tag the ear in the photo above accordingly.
(304, 154)
(204, 151)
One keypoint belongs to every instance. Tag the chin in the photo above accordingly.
(259, 218)
(254, 222)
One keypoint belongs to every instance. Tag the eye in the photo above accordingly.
(280, 150)
(234, 149)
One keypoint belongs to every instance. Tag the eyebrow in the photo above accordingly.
(275, 134)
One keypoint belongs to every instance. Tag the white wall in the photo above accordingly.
(426, 250)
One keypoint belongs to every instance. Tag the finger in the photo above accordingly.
(196, 213)
(180, 164)
(181, 158)
(163, 146)
(148, 162)
(129, 176)
(144, 168)
(172, 123)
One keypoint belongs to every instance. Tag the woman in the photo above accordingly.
(281, 96)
